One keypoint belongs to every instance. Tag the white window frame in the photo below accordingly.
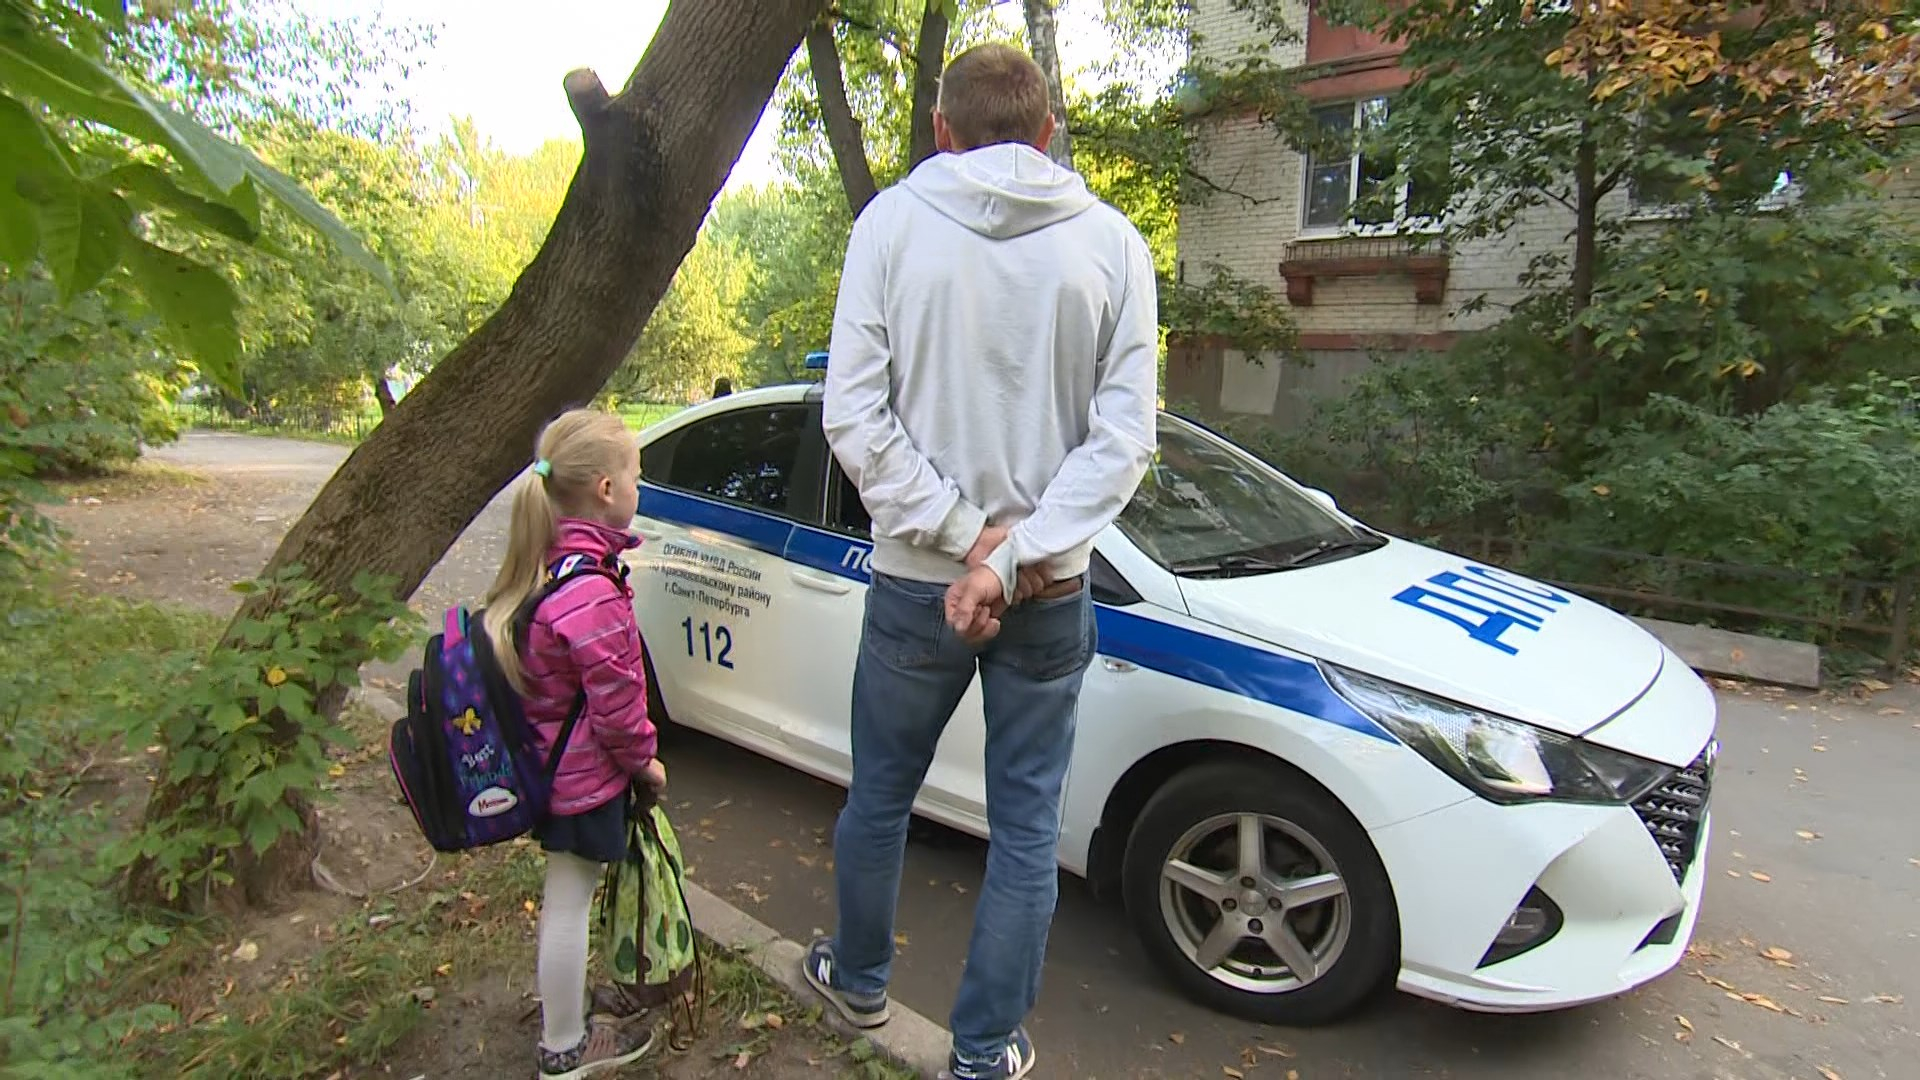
(1786, 192)
(1402, 223)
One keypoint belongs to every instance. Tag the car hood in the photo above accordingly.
(1455, 628)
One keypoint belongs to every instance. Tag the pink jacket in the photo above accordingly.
(585, 635)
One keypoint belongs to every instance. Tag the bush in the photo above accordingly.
(1828, 488)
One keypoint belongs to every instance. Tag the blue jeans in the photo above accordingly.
(913, 669)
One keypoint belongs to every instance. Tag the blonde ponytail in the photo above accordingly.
(575, 452)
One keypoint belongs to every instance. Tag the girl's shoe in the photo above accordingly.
(617, 1001)
(605, 1046)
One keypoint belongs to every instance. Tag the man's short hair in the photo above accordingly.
(994, 94)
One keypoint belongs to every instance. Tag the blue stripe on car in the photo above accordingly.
(1236, 668)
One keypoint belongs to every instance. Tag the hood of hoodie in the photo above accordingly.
(1000, 191)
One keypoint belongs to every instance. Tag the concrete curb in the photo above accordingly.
(909, 1039)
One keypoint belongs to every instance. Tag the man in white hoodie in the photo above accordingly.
(991, 392)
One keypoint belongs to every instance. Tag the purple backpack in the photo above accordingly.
(465, 756)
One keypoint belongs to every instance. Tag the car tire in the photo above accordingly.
(1308, 845)
(656, 704)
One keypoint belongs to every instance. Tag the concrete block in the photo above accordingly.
(1742, 656)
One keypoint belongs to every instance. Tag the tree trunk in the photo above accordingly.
(383, 393)
(1586, 227)
(655, 155)
(843, 128)
(930, 59)
(1042, 33)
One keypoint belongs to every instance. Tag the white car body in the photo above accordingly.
(753, 620)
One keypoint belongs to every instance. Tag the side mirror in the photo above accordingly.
(1323, 499)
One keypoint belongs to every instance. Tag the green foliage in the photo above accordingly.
(80, 218)
(68, 671)
(698, 333)
(1828, 486)
(1742, 310)
(244, 735)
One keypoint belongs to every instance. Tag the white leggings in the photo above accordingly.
(563, 949)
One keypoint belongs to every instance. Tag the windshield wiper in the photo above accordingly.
(1229, 566)
(1331, 547)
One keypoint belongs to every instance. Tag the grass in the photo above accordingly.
(130, 480)
(640, 415)
(354, 985)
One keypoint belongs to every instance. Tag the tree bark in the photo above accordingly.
(1586, 227)
(1044, 36)
(655, 155)
(930, 59)
(844, 135)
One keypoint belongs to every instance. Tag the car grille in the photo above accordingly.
(1673, 812)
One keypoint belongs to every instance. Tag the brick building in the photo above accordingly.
(1355, 287)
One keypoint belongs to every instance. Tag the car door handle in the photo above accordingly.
(821, 583)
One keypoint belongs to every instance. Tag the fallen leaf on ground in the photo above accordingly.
(1775, 952)
(247, 953)
(1819, 749)
(776, 1021)
(1684, 1022)
(742, 1060)
(1760, 877)
(1177, 1039)
(1807, 834)
(1887, 999)
(1764, 1002)
(1892, 712)
(1875, 685)
(1827, 1073)
(1276, 1051)
(1728, 1043)
(1711, 981)
(1831, 1000)
(1233, 1073)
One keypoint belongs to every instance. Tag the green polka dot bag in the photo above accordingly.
(646, 927)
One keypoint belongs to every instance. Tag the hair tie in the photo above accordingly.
(543, 468)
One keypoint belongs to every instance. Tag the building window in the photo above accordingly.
(1353, 187)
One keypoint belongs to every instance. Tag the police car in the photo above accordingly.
(1312, 758)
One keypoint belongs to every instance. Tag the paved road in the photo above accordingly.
(1845, 903)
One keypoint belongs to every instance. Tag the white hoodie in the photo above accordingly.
(993, 360)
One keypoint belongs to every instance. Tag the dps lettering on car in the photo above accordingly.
(1289, 715)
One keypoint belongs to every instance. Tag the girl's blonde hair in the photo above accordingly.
(578, 448)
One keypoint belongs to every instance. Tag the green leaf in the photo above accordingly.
(31, 154)
(82, 231)
(154, 187)
(197, 306)
(72, 82)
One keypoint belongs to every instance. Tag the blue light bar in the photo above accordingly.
(816, 361)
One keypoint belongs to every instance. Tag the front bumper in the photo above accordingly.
(1627, 881)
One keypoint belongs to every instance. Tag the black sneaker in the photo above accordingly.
(604, 1047)
(1013, 1063)
(860, 1011)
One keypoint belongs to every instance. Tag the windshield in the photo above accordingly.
(1204, 501)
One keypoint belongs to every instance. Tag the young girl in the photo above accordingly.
(579, 501)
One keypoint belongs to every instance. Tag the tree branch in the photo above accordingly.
(1213, 185)
(586, 96)
(886, 35)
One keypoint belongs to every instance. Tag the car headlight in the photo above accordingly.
(1502, 760)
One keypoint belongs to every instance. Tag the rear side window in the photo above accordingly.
(753, 457)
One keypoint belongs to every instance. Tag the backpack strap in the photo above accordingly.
(564, 570)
